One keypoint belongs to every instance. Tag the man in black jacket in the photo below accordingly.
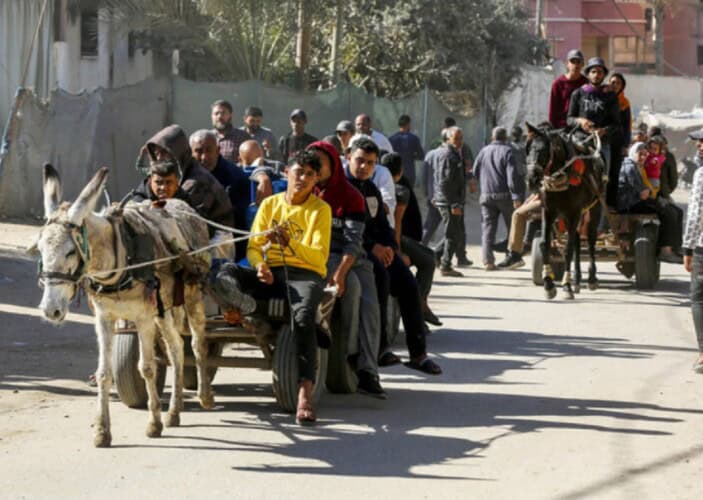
(392, 275)
(594, 108)
(449, 197)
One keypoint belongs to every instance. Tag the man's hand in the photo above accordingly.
(405, 259)
(263, 272)
(516, 204)
(473, 186)
(279, 235)
(688, 263)
(264, 188)
(600, 132)
(266, 144)
(383, 253)
(585, 124)
(644, 194)
(456, 211)
(339, 279)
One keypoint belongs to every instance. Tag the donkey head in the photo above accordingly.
(62, 244)
(545, 146)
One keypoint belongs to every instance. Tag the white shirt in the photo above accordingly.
(383, 180)
(381, 141)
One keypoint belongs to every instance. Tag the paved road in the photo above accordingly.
(589, 399)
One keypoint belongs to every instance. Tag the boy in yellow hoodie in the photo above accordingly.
(300, 241)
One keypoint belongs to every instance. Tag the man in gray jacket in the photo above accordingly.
(449, 196)
(500, 189)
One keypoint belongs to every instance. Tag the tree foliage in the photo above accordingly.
(389, 47)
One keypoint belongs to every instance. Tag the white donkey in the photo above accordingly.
(76, 245)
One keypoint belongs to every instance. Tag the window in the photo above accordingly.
(89, 32)
(631, 51)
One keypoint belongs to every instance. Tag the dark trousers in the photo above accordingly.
(670, 218)
(491, 210)
(422, 258)
(611, 193)
(398, 281)
(697, 295)
(432, 222)
(454, 235)
(306, 289)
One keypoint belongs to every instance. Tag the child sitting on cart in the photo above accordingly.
(289, 261)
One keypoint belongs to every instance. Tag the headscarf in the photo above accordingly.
(634, 149)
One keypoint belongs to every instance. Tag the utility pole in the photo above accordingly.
(539, 14)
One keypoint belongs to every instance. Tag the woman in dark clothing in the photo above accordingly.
(635, 197)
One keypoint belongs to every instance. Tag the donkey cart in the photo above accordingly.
(631, 244)
(272, 338)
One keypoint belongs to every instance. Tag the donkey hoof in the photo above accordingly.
(568, 295)
(103, 439)
(207, 401)
(172, 420)
(593, 285)
(550, 293)
(154, 429)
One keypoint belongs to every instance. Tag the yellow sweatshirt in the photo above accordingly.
(309, 227)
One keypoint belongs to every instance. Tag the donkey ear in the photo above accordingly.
(52, 189)
(85, 203)
(531, 128)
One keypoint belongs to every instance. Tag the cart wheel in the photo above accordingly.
(646, 261)
(190, 373)
(341, 378)
(125, 365)
(393, 318)
(285, 371)
(537, 262)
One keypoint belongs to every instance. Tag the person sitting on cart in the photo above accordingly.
(635, 197)
(291, 261)
(349, 269)
(392, 275)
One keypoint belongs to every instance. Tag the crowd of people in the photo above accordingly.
(342, 210)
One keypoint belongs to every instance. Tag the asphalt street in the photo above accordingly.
(593, 398)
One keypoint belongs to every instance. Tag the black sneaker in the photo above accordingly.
(464, 262)
(511, 261)
(370, 385)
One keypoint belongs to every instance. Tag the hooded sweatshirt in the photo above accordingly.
(207, 196)
(347, 203)
(598, 105)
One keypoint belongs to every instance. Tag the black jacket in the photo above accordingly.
(377, 229)
(600, 107)
(448, 175)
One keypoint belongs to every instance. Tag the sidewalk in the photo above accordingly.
(16, 238)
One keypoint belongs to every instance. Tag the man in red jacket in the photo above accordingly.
(563, 87)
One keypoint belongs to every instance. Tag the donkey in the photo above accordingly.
(81, 248)
(570, 185)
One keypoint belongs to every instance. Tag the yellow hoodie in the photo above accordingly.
(309, 227)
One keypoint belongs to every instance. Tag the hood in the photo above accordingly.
(589, 88)
(337, 170)
(174, 140)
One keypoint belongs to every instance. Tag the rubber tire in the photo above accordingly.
(125, 369)
(190, 373)
(285, 371)
(646, 261)
(393, 320)
(341, 378)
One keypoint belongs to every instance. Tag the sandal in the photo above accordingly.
(698, 366)
(388, 359)
(426, 366)
(305, 415)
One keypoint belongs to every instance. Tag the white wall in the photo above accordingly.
(74, 73)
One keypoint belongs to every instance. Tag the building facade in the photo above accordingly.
(622, 33)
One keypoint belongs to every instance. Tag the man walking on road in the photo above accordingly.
(449, 197)
(500, 191)
(408, 146)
